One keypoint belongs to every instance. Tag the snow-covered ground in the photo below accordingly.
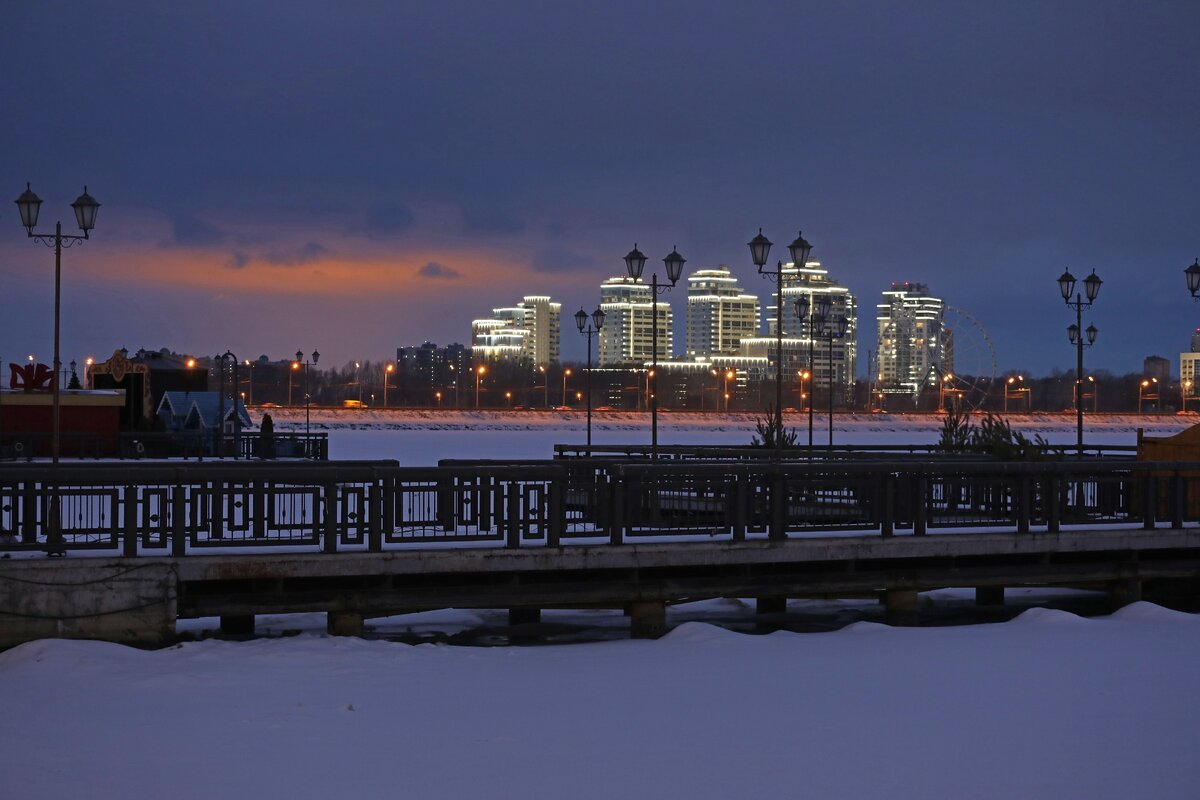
(420, 438)
(1047, 705)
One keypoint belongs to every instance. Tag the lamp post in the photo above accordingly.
(729, 375)
(943, 387)
(803, 375)
(814, 310)
(237, 418)
(760, 248)
(546, 383)
(307, 397)
(86, 208)
(587, 326)
(479, 373)
(635, 263)
(566, 374)
(1075, 333)
(1193, 279)
(836, 330)
(1143, 394)
(1015, 387)
(387, 374)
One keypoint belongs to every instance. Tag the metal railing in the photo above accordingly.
(194, 507)
(819, 452)
(18, 446)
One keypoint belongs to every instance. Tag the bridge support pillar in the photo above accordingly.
(238, 625)
(901, 607)
(524, 616)
(1123, 592)
(344, 623)
(647, 620)
(989, 595)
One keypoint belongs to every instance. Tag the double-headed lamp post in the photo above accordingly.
(760, 248)
(86, 208)
(587, 326)
(635, 263)
(302, 361)
(1075, 333)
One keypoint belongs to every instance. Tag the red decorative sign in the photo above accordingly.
(30, 377)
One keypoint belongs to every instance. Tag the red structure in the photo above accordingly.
(90, 420)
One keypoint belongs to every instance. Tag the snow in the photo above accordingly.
(1049, 704)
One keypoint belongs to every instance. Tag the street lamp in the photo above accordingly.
(943, 387)
(1193, 279)
(760, 248)
(635, 262)
(237, 418)
(1015, 387)
(1142, 393)
(307, 397)
(479, 373)
(546, 383)
(729, 375)
(815, 311)
(86, 208)
(587, 326)
(803, 375)
(566, 374)
(1185, 386)
(1091, 285)
(836, 329)
(387, 374)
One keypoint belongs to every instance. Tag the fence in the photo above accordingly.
(181, 508)
(18, 446)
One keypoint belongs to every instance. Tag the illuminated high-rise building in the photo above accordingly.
(627, 336)
(914, 347)
(528, 331)
(719, 314)
(811, 282)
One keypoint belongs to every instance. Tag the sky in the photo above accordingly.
(351, 178)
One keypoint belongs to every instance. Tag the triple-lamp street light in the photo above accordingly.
(300, 359)
(587, 326)
(635, 262)
(86, 207)
(800, 249)
(1076, 335)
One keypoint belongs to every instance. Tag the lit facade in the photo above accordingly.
(719, 314)
(811, 282)
(914, 347)
(528, 331)
(627, 336)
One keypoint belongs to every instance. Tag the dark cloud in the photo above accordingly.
(440, 271)
(305, 254)
(237, 260)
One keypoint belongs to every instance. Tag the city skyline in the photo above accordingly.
(359, 179)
